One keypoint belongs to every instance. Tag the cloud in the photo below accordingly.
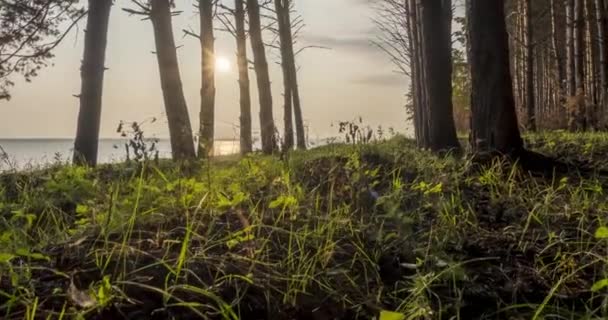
(382, 79)
(369, 2)
(358, 44)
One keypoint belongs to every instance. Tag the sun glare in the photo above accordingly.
(222, 64)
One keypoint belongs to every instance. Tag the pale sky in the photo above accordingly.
(350, 80)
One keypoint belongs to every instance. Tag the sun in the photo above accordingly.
(222, 64)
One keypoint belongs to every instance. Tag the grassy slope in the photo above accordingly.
(339, 232)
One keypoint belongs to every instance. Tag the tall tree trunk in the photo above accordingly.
(288, 137)
(180, 129)
(92, 73)
(520, 97)
(579, 48)
(414, 73)
(529, 78)
(436, 18)
(420, 94)
(602, 51)
(246, 142)
(590, 53)
(570, 55)
(555, 44)
(207, 113)
(297, 102)
(261, 70)
(494, 119)
(290, 71)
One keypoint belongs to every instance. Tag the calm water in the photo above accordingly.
(24, 153)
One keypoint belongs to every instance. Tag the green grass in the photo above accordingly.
(337, 232)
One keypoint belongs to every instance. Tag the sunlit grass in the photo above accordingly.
(342, 230)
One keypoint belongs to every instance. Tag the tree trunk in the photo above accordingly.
(590, 53)
(436, 18)
(418, 95)
(570, 68)
(494, 119)
(410, 25)
(180, 129)
(207, 113)
(288, 137)
(529, 78)
(602, 51)
(92, 73)
(297, 103)
(579, 49)
(246, 142)
(263, 78)
(555, 44)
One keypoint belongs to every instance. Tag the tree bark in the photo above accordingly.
(590, 53)
(246, 142)
(288, 135)
(436, 18)
(529, 78)
(297, 102)
(413, 68)
(555, 44)
(417, 76)
(602, 51)
(180, 129)
(494, 119)
(579, 49)
(207, 113)
(267, 127)
(570, 65)
(92, 74)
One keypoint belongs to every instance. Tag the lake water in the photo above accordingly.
(25, 153)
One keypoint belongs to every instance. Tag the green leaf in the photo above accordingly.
(599, 285)
(82, 209)
(601, 233)
(104, 293)
(284, 201)
(6, 257)
(24, 252)
(389, 315)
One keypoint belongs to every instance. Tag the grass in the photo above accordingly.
(379, 230)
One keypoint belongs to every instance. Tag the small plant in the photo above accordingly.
(6, 159)
(138, 148)
(356, 132)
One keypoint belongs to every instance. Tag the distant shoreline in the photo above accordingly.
(101, 139)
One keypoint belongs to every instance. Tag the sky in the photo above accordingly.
(350, 79)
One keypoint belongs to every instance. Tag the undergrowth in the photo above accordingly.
(369, 231)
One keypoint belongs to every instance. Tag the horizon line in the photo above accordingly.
(102, 138)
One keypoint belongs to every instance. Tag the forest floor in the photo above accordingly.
(376, 231)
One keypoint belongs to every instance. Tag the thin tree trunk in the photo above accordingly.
(555, 44)
(423, 138)
(180, 129)
(413, 69)
(207, 113)
(579, 49)
(529, 78)
(288, 136)
(520, 98)
(590, 53)
(297, 102)
(494, 118)
(246, 142)
(263, 77)
(570, 64)
(602, 51)
(92, 73)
